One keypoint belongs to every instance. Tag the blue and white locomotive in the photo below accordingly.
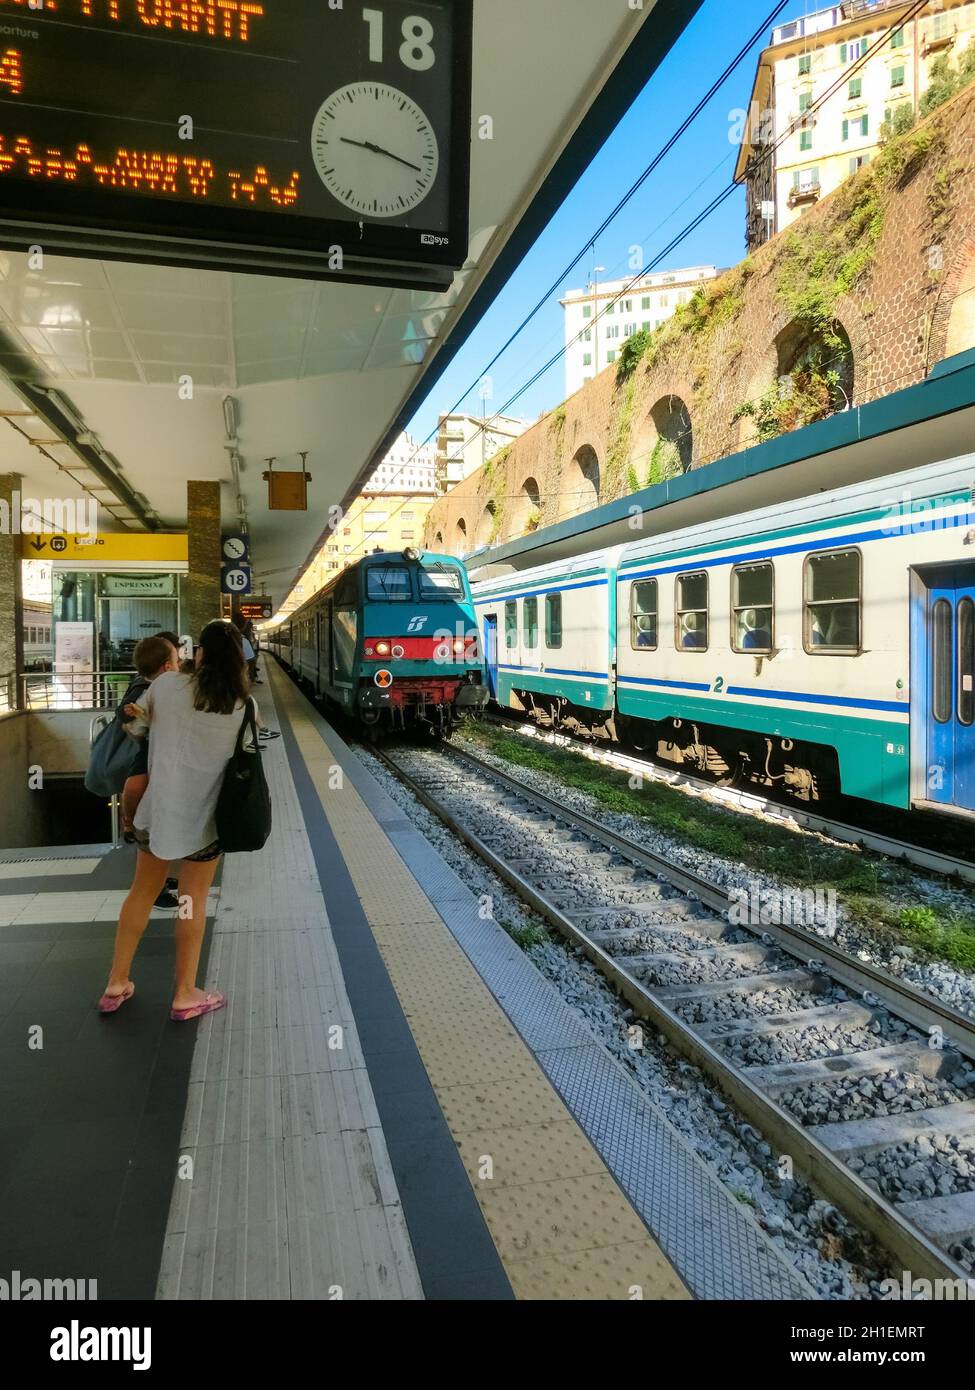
(826, 646)
(392, 641)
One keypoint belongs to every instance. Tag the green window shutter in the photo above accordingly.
(897, 77)
(843, 53)
(795, 179)
(856, 88)
(846, 129)
(897, 39)
(805, 64)
(805, 140)
(804, 100)
(865, 125)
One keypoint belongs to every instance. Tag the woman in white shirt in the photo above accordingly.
(194, 721)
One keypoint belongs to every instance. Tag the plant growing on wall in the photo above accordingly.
(812, 391)
(631, 353)
(532, 520)
(619, 445)
(665, 462)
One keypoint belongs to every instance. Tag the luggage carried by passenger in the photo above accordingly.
(243, 813)
(112, 758)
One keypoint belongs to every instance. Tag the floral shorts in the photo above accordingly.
(202, 856)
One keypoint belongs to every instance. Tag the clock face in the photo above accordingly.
(375, 150)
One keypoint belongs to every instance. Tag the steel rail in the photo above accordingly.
(814, 1160)
(749, 799)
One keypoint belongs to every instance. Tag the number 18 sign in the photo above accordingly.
(236, 580)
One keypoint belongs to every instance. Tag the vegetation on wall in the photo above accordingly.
(665, 462)
(532, 520)
(619, 445)
(631, 354)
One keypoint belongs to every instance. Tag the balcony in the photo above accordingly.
(856, 9)
(805, 193)
(938, 43)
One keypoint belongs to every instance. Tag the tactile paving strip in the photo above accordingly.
(561, 1223)
(717, 1247)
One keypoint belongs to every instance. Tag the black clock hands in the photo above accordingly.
(378, 149)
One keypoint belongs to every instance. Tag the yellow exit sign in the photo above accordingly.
(128, 547)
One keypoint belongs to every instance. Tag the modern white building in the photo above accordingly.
(466, 442)
(598, 321)
(408, 469)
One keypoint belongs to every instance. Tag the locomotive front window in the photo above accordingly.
(511, 624)
(441, 581)
(643, 615)
(691, 632)
(832, 602)
(966, 661)
(553, 621)
(530, 622)
(752, 606)
(388, 584)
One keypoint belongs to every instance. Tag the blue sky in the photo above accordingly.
(698, 167)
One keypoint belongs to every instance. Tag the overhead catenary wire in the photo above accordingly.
(766, 154)
(634, 188)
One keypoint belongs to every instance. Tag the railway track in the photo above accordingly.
(864, 1084)
(750, 800)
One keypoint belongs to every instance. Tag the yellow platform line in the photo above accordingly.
(562, 1226)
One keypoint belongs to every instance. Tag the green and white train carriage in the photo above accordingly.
(824, 645)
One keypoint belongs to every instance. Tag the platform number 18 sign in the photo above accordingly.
(236, 580)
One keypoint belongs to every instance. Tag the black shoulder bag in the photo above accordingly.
(243, 812)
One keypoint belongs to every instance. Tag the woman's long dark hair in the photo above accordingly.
(221, 679)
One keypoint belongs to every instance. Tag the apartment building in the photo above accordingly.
(466, 442)
(806, 59)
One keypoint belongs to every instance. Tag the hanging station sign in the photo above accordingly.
(137, 585)
(275, 136)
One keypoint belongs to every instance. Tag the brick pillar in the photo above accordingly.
(201, 592)
(11, 601)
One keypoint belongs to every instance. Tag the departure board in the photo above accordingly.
(287, 136)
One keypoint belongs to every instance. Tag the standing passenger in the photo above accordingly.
(195, 720)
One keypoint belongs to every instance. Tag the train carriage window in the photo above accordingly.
(643, 614)
(553, 621)
(691, 627)
(388, 584)
(966, 661)
(511, 624)
(441, 581)
(941, 661)
(832, 602)
(529, 622)
(752, 606)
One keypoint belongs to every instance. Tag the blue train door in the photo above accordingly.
(491, 653)
(947, 672)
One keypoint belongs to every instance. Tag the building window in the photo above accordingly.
(752, 605)
(665, 301)
(897, 39)
(831, 590)
(897, 76)
(406, 516)
(628, 305)
(511, 624)
(643, 615)
(805, 64)
(805, 140)
(850, 52)
(805, 179)
(856, 88)
(940, 26)
(646, 326)
(613, 331)
(587, 311)
(857, 161)
(611, 308)
(587, 336)
(857, 128)
(587, 359)
(645, 302)
(805, 101)
(691, 628)
(553, 621)
(629, 330)
(407, 536)
(529, 622)
(611, 356)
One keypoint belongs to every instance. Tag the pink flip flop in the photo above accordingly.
(210, 1005)
(110, 1002)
